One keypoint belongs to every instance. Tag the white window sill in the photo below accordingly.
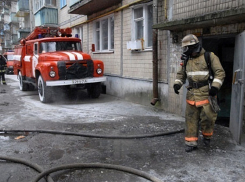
(103, 52)
(145, 50)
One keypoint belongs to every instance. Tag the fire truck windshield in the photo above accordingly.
(59, 46)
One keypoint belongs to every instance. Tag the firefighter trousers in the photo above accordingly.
(198, 118)
(2, 77)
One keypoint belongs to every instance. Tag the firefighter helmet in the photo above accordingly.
(189, 39)
(190, 45)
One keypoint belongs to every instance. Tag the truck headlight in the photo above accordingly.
(52, 74)
(99, 71)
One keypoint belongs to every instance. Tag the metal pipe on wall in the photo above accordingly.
(155, 55)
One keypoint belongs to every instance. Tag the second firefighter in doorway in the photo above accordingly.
(199, 111)
(3, 65)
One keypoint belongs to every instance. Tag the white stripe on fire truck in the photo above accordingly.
(27, 59)
(17, 57)
(79, 56)
(71, 56)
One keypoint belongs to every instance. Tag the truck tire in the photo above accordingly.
(23, 86)
(94, 90)
(44, 92)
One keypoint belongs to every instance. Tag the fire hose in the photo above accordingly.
(86, 165)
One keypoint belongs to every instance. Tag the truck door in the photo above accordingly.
(237, 95)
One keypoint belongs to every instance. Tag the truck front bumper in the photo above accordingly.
(75, 81)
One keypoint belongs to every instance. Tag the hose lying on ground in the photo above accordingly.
(95, 135)
(89, 165)
(21, 161)
(98, 165)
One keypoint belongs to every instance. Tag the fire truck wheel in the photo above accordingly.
(23, 86)
(94, 90)
(44, 92)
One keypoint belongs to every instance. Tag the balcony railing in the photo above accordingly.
(44, 3)
(72, 2)
(23, 34)
(88, 7)
(23, 5)
(13, 18)
(24, 30)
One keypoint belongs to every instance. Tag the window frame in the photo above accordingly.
(36, 48)
(145, 24)
(98, 48)
(63, 3)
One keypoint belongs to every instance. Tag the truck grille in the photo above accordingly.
(77, 70)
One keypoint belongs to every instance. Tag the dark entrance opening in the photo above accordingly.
(223, 47)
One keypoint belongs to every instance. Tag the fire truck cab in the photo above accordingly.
(10, 63)
(49, 58)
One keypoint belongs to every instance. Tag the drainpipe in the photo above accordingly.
(155, 55)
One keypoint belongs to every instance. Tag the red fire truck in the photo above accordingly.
(50, 57)
(10, 63)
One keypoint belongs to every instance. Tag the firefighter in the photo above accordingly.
(3, 66)
(199, 111)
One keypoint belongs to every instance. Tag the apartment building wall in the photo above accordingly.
(129, 73)
(171, 10)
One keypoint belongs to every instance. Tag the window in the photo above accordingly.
(142, 24)
(38, 4)
(35, 48)
(62, 3)
(104, 34)
(60, 46)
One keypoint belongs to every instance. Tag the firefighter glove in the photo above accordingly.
(213, 91)
(176, 88)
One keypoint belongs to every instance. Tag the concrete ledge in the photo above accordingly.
(230, 16)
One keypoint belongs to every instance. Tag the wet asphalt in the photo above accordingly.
(161, 156)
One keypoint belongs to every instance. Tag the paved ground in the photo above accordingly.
(162, 157)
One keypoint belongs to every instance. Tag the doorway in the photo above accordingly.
(223, 47)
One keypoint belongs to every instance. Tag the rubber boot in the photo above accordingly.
(190, 148)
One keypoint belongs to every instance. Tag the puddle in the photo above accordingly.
(4, 137)
(7, 137)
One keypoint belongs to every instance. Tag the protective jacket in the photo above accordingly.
(3, 65)
(197, 74)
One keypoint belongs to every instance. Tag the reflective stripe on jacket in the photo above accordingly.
(197, 71)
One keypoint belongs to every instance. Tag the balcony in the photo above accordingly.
(88, 7)
(46, 17)
(13, 18)
(15, 39)
(42, 4)
(7, 44)
(22, 8)
(6, 11)
(6, 27)
(24, 30)
(23, 5)
(23, 33)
